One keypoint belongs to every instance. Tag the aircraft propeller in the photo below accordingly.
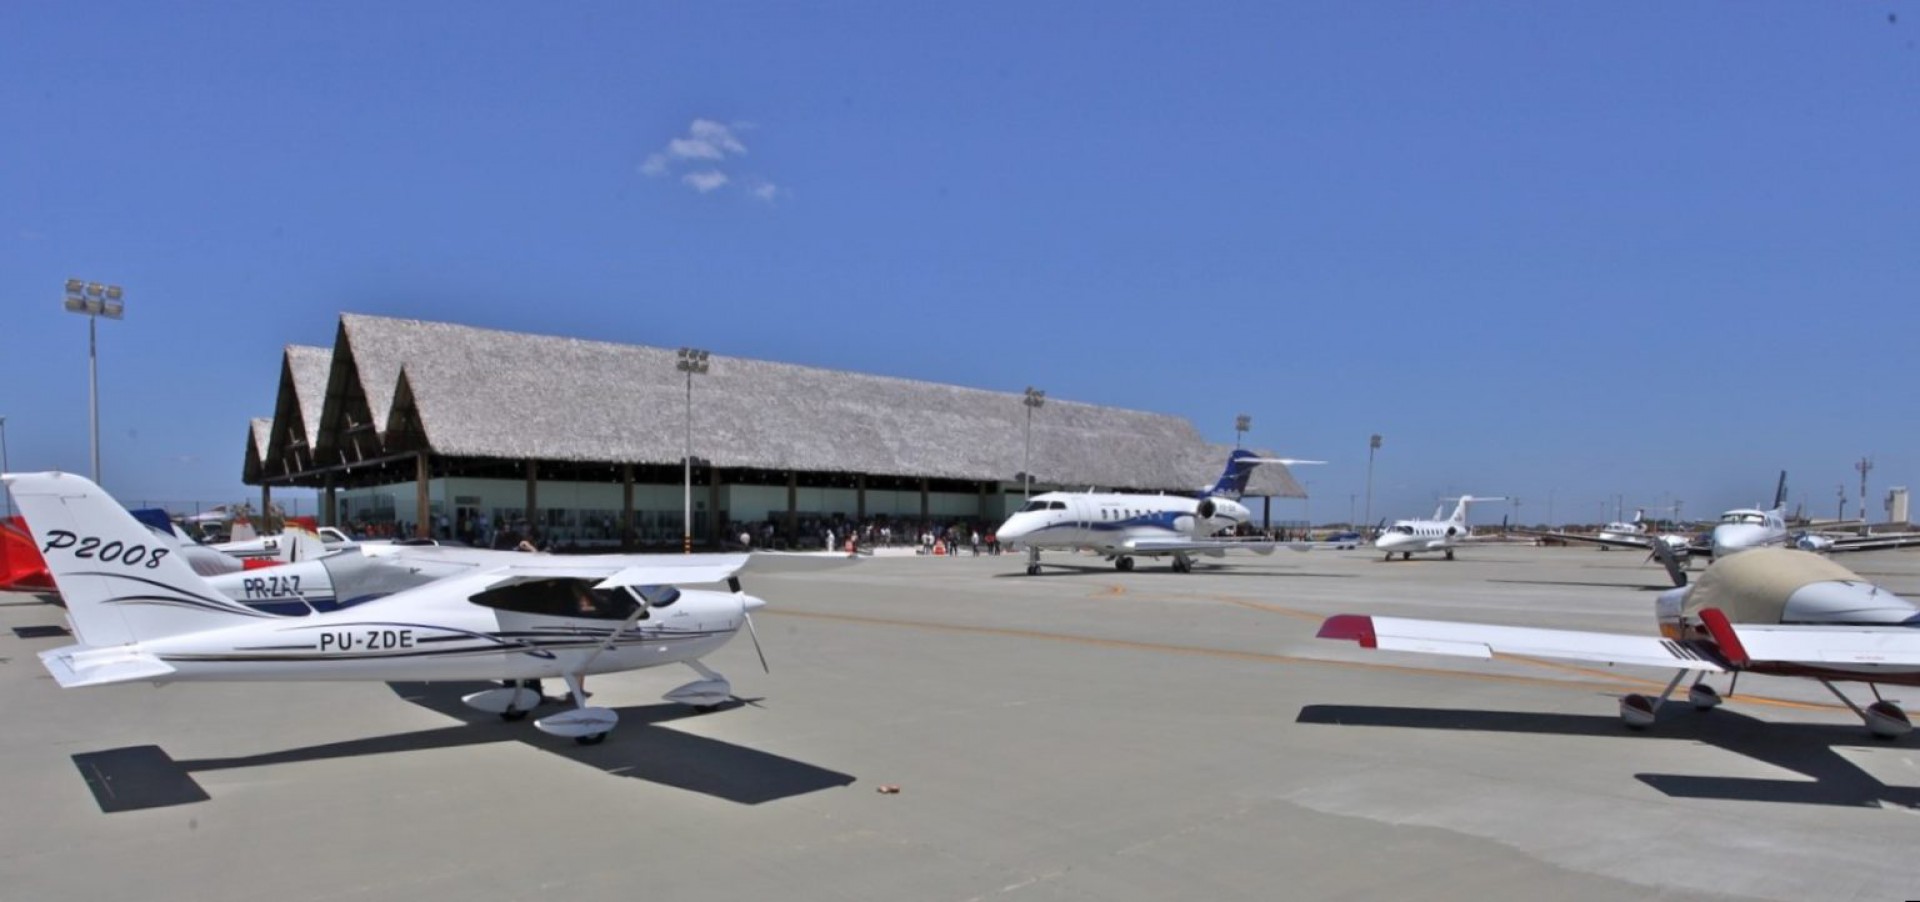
(754, 634)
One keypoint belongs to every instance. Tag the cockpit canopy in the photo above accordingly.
(1755, 517)
(1401, 528)
(575, 598)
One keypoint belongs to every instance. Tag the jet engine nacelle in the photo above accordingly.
(1222, 513)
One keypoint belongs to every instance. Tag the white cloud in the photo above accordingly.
(702, 159)
(705, 180)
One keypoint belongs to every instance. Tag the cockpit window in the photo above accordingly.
(560, 598)
(1403, 530)
(1056, 505)
(1034, 506)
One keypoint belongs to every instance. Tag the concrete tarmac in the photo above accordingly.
(1085, 734)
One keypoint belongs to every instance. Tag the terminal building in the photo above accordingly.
(416, 428)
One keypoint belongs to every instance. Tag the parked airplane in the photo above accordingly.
(1777, 611)
(142, 615)
(1746, 528)
(1408, 537)
(1125, 526)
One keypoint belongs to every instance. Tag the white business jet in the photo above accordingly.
(142, 615)
(1124, 526)
(1409, 537)
(1779, 611)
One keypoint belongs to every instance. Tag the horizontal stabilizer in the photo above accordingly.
(82, 665)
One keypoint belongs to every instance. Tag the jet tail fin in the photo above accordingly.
(121, 583)
(1233, 481)
(1780, 493)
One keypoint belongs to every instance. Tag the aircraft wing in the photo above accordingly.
(1875, 543)
(1743, 643)
(615, 570)
(1479, 640)
(1151, 546)
(1642, 544)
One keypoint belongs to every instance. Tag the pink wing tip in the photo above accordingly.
(1357, 627)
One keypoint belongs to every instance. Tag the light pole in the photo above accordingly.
(1373, 444)
(1034, 399)
(95, 300)
(691, 362)
(1241, 424)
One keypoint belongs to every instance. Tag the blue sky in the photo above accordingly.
(1559, 250)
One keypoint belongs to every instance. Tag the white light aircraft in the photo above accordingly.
(1125, 526)
(1409, 537)
(1779, 611)
(141, 614)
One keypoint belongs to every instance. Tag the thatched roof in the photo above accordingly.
(483, 393)
(308, 366)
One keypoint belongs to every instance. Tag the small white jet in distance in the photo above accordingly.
(142, 615)
(1125, 526)
(1779, 611)
(1409, 537)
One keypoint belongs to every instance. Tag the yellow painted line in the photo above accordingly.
(1606, 679)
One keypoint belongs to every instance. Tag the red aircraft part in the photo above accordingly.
(21, 566)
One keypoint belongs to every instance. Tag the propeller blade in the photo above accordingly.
(755, 635)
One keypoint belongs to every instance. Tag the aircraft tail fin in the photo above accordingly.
(1780, 493)
(1233, 481)
(1460, 509)
(121, 583)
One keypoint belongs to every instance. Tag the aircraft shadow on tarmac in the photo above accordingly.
(1662, 587)
(1807, 749)
(139, 777)
(1082, 570)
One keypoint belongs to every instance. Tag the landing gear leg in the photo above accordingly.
(1033, 561)
(1637, 710)
(1885, 719)
(1182, 564)
(576, 687)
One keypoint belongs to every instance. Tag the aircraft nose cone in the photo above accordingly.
(1729, 538)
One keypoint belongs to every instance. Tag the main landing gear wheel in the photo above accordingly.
(1449, 554)
(1182, 565)
(1636, 711)
(1702, 697)
(1033, 569)
(1406, 555)
(1123, 563)
(515, 715)
(593, 739)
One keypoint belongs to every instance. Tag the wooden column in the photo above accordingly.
(533, 497)
(423, 516)
(715, 536)
(793, 505)
(626, 507)
(330, 513)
